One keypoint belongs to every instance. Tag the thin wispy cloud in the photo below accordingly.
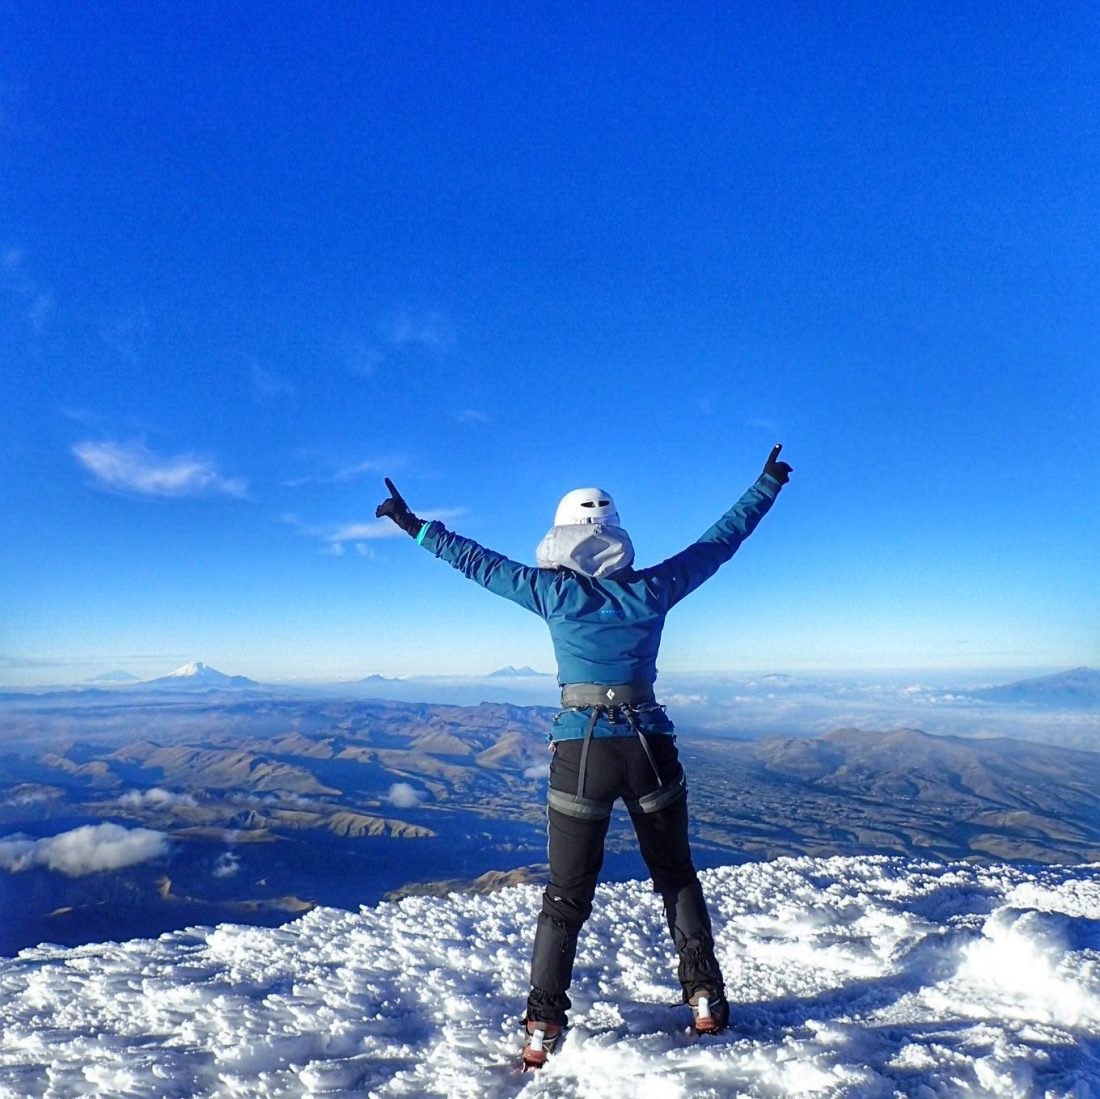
(770, 426)
(82, 416)
(341, 474)
(362, 358)
(366, 531)
(7, 661)
(37, 300)
(267, 385)
(133, 467)
(372, 529)
(430, 331)
(336, 538)
(127, 333)
(473, 416)
(399, 336)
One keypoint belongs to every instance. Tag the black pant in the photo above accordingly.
(616, 767)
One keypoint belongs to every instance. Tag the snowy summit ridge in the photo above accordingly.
(193, 669)
(196, 674)
(861, 978)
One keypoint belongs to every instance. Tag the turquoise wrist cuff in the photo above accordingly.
(420, 536)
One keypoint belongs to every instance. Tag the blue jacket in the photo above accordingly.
(609, 630)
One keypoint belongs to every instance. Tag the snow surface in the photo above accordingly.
(195, 667)
(854, 977)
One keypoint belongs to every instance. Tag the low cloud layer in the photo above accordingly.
(155, 798)
(84, 850)
(133, 467)
(226, 865)
(404, 796)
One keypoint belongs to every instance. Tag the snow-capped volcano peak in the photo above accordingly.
(197, 674)
(194, 668)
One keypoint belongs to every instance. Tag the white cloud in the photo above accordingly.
(473, 416)
(385, 528)
(364, 531)
(685, 699)
(226, 865)
(132, 467)
(336, 536)
(84, 850)
(30, 796)
(404, 796)
(154, 798)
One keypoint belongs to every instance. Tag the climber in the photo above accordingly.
(610, 739)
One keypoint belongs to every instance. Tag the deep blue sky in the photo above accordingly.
(251, 262)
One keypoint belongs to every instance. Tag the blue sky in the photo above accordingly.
(253, 261)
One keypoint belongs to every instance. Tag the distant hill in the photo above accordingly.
(114, 677)
(198, 676)
(897, 791)
(295, 789)
(1078, 688)
(515, 673)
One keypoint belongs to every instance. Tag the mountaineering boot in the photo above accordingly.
(710, 1011)
(540, 1040)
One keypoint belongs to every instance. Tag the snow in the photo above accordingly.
(850, 977)
(193, 668)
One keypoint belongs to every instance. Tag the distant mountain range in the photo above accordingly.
(1076, 689)
(114, 677)
(900, 790)
(1079, 688)
(324, 799)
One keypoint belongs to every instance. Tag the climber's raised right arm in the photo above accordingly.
(492, 570)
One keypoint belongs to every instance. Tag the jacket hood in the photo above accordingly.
(595, 550)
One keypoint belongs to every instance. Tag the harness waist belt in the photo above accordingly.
(581, 695)
(599, 698)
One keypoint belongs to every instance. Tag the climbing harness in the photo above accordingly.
(616, 702)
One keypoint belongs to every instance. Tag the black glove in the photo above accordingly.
(774, 468)
(397, 510)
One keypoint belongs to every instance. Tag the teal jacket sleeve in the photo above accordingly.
(493, 571)
(681, 575)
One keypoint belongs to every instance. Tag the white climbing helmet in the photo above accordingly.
(586, 505)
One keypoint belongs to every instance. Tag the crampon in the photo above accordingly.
(709, 1012)
(540, 1040)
